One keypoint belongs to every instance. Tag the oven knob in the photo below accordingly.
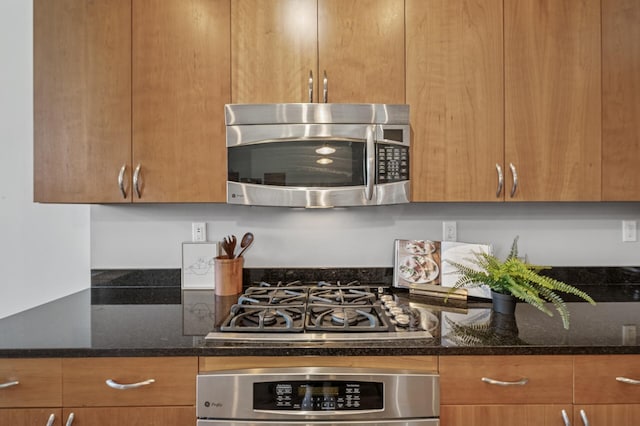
(402, 319)
(390, 304)
(395, 311)
(386, 298)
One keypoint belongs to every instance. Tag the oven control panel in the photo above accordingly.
(329, 395)
(392, 163)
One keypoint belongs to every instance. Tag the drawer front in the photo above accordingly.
(466, 379)
(174, 381)
(39, 383)
(595, 379)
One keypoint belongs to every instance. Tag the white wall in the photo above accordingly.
(44, 249)
(570, 234)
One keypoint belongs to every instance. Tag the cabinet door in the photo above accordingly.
(607, 379)
(503, 415)
(82, 100)
(39, 383)
(134, 416)
(607, 415)
(361, 47)
(553, 99)
(274, 47)
(30, 416)
(455, 91)
(620, 100)
(181, 61)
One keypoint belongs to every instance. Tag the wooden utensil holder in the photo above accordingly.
(228, 276)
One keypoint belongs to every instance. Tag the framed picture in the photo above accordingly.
(197, 265)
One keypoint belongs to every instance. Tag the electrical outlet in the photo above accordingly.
(629, 335)
(449, 231)
(629, 232)
(198, 231)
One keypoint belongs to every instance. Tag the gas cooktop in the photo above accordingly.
(321, 311)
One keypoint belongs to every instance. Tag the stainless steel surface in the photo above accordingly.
(318, 337)
(500, 180)
(312, 113)
(628, 380)
(565, 418)
(51, 420)
(70, 419)
(520, 382)
(585, 419)
(120, 386)
(371, 163)
(406, 394)
(9, 384)
(136, 180)
(514, 174)
(325, 88)
(310, 86)
(262, 195)
(123, 169)
(414, 422)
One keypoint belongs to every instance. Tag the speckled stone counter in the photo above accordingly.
(145, 313)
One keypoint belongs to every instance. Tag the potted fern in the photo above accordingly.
(516, 279)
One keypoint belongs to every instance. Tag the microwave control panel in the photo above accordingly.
(392, 162)
(327, 395)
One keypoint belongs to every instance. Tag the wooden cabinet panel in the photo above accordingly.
(427, 364)
(30, 416)
(549, 379)
(84, 381)
(503, 415)
(361, 47)
(181, 81)
(274, 47)
(620, 100)
(608, 415)
(455, 90)
(135, 416)
(595, 379)
(82, 100)
(553, 99)
(39, 383)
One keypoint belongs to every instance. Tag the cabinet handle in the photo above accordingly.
(70, 419)
(325, 88)
(584, 418)
(500, 180)
(136, 180)
(123, 170)
(520, 382)
(52, 419)
(628, 380)
(9, 384)
(565, 418)
(115, 385)
(310, 86)
(515, 179)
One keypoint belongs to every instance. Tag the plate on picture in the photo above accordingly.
(419, 269)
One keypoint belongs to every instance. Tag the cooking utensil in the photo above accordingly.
(229, 246)
(247, 240)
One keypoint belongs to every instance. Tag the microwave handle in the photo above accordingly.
(371, 161)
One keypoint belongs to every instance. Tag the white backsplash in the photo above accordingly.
(557, 234)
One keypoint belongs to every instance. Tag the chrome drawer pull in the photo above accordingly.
(119, 386)
(585, 420)
(520, 382)
(52, 419)
(9, 384)
(628, 380)
(70, 419)
(565, 418)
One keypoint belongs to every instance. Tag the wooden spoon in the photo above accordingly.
(247, 240)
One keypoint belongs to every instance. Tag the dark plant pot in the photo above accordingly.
(503, 303)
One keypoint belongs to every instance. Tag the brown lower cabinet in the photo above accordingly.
(607, 415)
(504, 415)
(134, 416)
(30, 416)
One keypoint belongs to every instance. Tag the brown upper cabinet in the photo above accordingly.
(620, 100)
(128, 100)
(505, 100)
(283, 49)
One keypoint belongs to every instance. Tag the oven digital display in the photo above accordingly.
(331, 395)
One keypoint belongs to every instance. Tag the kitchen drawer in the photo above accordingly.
(548, 379)
(39, 382)
(84, 381)
(595, 379)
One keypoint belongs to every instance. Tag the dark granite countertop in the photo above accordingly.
(145, 313)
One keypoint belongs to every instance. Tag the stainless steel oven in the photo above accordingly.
(322, 396)
(317, 155)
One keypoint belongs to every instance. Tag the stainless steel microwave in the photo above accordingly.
(317, 155)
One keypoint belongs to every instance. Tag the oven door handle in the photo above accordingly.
(370, 162)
